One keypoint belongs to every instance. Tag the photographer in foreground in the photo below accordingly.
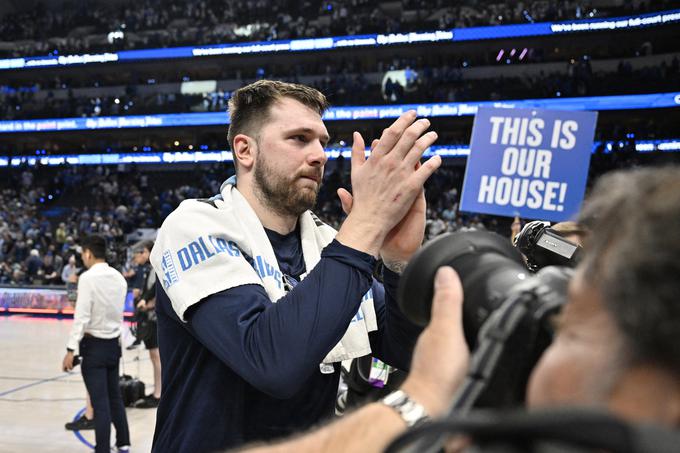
(617, 345)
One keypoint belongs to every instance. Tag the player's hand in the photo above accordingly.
(405, 238)
(386, 185)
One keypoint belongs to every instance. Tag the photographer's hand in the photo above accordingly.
(515, 228)
(441, 356)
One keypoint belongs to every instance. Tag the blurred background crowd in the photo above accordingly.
(44, 210)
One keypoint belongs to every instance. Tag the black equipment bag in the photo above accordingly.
(131, 389)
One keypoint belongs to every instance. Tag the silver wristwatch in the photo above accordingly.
(410, 411)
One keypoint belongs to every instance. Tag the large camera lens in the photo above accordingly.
(511, 308)
(488, 266)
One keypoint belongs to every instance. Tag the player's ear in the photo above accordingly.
(244, 150)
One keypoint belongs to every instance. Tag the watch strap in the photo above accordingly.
(412, 412)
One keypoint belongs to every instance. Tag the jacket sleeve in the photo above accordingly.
(82, 313)
(396, 336)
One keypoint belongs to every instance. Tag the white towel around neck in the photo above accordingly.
(199, 251)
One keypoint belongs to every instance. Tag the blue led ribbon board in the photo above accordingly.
(344, 42)
(371, 112)
(189, 157)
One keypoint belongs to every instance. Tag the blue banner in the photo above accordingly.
(529, 163)
(369, 112)
(192, 157)
(341, 42)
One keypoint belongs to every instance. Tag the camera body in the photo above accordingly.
(542, 246)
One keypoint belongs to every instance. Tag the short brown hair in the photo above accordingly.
(142, 245)
(632, 258)
(249, 106)
(565, 229)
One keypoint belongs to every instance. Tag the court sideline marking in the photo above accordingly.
(55, 378)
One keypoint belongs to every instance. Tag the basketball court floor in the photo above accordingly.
(37, 398)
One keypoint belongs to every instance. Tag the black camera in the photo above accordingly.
(542, 246)
(75, 252)
(507, 311)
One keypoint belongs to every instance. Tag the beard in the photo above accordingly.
(281, 193)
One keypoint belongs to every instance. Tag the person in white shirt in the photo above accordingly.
(95, 333)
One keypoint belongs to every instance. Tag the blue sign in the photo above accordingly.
(530, 163)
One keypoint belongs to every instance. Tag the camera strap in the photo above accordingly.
(580, 430)
(492, 340)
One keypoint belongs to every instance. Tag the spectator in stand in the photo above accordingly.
(70, 271)
(60, 234)
(346, 80)
(34, 266)
(54, 264)
(69, 246)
